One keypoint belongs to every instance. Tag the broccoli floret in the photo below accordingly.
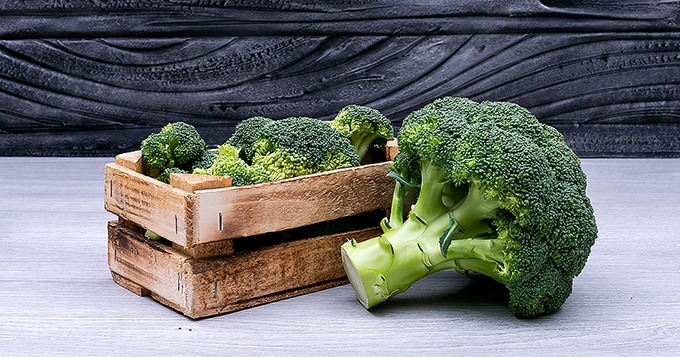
(228, 163)
(363, 126)
(299, 146)
(246, 134)
(204, 161)
(499, 194)
(176, 145)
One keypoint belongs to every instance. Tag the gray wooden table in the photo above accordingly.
(57, 296)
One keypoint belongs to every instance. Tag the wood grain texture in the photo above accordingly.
(190, 219)
(58, 297)
(93, 78)
(208, 287)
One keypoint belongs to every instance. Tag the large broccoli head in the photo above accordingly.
(499, 193)
(299, 146)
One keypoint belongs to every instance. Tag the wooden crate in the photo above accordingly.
(202, 267)
(206, 287)
(201, 214)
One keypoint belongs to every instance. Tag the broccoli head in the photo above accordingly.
(499, 194)
(227, 162)
(363, 126)
(299, 146)
(176, 145)
(246, 134)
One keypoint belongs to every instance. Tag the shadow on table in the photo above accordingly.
(475, 294)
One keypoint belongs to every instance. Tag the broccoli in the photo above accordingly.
(176, 145)
(204, 161)
(499, 194)
(246, 134)
(228, 163)
(364, 127)
(299, 146)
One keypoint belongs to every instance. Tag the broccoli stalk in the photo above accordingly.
(500, 194)
(440, 232)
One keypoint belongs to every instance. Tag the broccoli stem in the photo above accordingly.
(389, 264)
(396, 217)
(362, 143)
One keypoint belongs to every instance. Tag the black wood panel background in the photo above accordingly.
(93, 78)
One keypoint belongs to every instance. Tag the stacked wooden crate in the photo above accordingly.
(228, 248)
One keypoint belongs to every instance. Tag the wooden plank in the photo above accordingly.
(66, 97)
(151, 204)
(222, 18)
(193, 183)
(275, 206)
(130, 285)
(207, 250)
(207, 287)
(149, 264)
(392, 149)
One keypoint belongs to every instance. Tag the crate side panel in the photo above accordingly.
(149, 264)
(151, 204)
(261, 300)
(269, 274)
(271, 207)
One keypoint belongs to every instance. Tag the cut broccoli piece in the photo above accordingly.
(246, 134)
(176, 145)
(499, 194)
(228, 163)
(363, 126)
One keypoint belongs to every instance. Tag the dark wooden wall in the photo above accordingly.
(93, 78)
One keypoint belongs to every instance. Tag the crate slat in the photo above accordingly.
(207, 287)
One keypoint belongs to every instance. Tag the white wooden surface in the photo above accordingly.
(57, 297)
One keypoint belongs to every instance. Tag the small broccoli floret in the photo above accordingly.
(363, 126)
(499, 194)
(165, 175)
(299, 146)
(176, 145)
(246, 134)
(228, 163)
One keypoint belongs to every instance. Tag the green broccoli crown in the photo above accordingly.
(363, 126)
(227, 162)
(298, 146)
(246, 134)
(501, 193)
(176, 145)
